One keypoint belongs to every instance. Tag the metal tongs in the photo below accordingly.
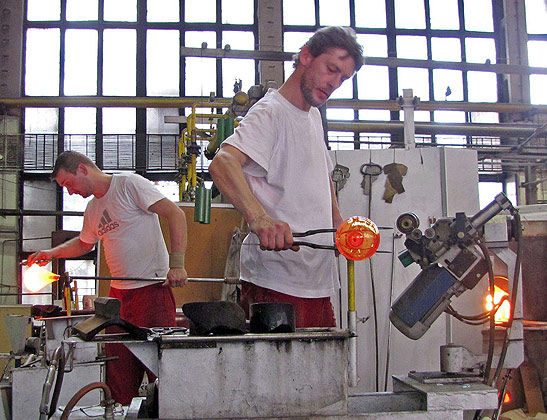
(311, 244)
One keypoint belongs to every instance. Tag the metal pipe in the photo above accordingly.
(352, 324)
(20, 212)
(475, 129)
(228, 280)
(408, 103)
(97, 101)
(44, 412)
(188, 102)
(306, 334)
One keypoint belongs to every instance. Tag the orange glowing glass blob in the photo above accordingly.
(36, 278)
(504, 311)
(357, 238)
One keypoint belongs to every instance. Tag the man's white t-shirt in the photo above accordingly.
(131, 235)
(288, 171)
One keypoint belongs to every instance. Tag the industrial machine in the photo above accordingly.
(451, 261)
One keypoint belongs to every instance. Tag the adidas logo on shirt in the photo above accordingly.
(106, 224)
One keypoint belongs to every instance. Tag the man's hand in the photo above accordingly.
(40, 257)
(176, 277)
(273, 234)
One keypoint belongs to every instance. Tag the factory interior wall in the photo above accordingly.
(208, 246)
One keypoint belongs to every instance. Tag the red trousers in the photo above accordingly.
(308, 312)
(149, 306)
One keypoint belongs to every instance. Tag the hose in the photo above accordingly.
(109, 402)
(44, 412)
(58, 384)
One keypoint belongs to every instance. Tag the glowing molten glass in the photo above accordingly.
(357, 238)
(503, 313)
(36, 278)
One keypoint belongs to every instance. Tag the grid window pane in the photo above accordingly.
(538, 87)
(370, 13)
(374, 114)
(447, 85)
(449, 116)
(119, 120)
(82, 10)
(537, 53)
(120, 10)
(482, 86)
(411, 47)
(373, 82)
(451, 140)
(41, 120)
(293, 41)
(162, 62)
(444, 14)
(234, 69)
(238, 12)
(409, 14)
(345, 91)
(536, 17)
(162, 11)
(373, 45)
(42, 62)
(119, 62)
(478, 15)
(480, 50)
(194, 39)
(340, 114)
(334, 12)
(80, 62)
(485, 117)
(239, 40)
(415, 79)
(49, 10)
(201, 75)
(200, 11)
(80, 120)
(446, 49)
(155, 121)
(301, 12)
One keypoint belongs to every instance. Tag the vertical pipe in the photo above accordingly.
(407, 102)
(352, 324)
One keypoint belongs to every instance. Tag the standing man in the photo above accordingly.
(276, 171)
(124, 215)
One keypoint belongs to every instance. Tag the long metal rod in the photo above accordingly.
(474, 129)
(187, 102)
(190, 279)
(352, 325)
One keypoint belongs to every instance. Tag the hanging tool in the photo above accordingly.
(394, 181)
(370, 172)
(340, 175)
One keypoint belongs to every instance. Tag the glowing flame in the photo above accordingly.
(357, 238)
(504, 311)
(36, 278)
(507, 398)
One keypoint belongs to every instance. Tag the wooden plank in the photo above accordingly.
(532, 389)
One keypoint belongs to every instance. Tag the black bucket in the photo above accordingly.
(272, 317)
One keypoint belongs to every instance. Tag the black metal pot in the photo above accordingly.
(272, 317)
(215, 318)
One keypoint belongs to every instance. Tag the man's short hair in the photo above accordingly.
(69, 161)
(334, 37)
